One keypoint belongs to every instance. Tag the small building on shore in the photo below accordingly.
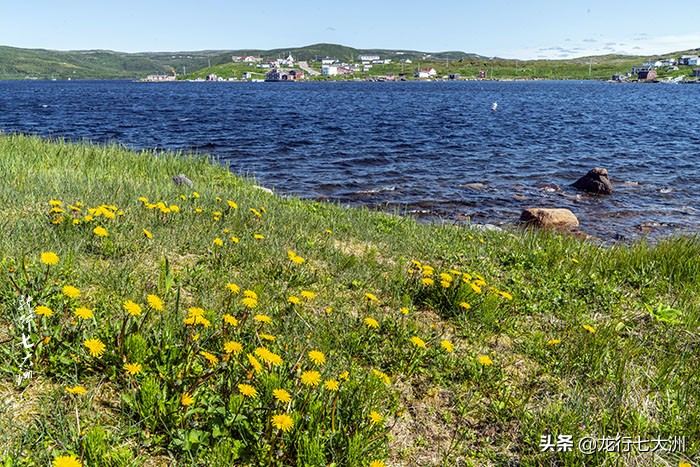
(646, 75)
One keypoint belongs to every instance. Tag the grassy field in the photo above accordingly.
(149, 324)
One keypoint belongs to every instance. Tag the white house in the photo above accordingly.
(329, 70)
(328, 61)
(367, 58)
(425, 73)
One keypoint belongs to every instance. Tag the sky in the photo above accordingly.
(496, 28)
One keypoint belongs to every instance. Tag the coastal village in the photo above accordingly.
(288, 69)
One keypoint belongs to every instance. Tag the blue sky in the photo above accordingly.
(525, 30)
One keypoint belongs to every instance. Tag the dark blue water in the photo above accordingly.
(435, 149)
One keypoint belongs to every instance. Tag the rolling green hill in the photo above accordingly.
(16, 63)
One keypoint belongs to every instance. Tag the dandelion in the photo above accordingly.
(428, 270)
(233, 288)
(100, 231)
(267, 337)
(308, 295)
(465, 305)
(447, 345)
(155, 302)
(331, 385)
(55, 202)
(427, 281)
(377, 463)
(418, 342)
(186, 399)
(588, 328)
(282, 395)
(311, 378)
(262, 319)
(370, 297)
(294, 258)
(250, 294)
(445, 277)
(218, 242)
(174, 208)
(66, 461)
(70, 291)
(231, 204)
(249, 302)
(95, 346)
(475, 287)
(345, 375)
(371, 322)
(230, 320)
(42, 310)
(49, 258)
(294, 300)
(268, 357)
(282, 422)
(317, 357)
(329, 231)
(382, 376)
(484, 360)
(329, 310)
(505, 295)
(404, 310)
(211, 358)
(134, 309)
(83, 313)
(147, 233)
(574, 260)
(235, 239)
(445, 284)
(233, 347)
(77, 390)
(553, 341)
(133, 368)
(256, 212)
(247, 390)
(259, 237)
(255, 363)
(375, 417)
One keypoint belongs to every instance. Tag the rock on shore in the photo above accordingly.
(550, 218)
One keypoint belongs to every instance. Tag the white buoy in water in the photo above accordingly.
(494, 106)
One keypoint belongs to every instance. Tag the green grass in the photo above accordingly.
(581, 340)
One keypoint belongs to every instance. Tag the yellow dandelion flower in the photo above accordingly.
(233, 288)
(308, 295)
(70, 291)
(311, 378)
(282, 422)
(445, 284)
(194, 312)
(404, 310)
(95, 346)
(83, 313)
(42, 310)
(77, 390)
(465, 305)
(345, 375)
(147, 233)
(445, 277)
(55, 202)
(218, 242)
(427, 281)
(329, 310)
(256, 212)
(282, 395)
(370, 297)
(262, 319)
(294, 300)
(484, 360)
(186, 399)
(174, 208)
(155, 302)
(67, 461)
(553, 341)
(574, 260)
(377, 463)
(233, 347)
(249, 302)
(143, 199)
(88, 218)
(588, 328)
(447, 345)
(268, 357)
(247, 390)
(317, 357)
(331, 385)
(329, 231)
(479, 282)
(297, 259)
(418, 342)
(57, 211)
(231, 204)
(133, 368)
(250, 294)
(230, 320)
(259, 237)
(198, 210)
(255, 363)
(475, 287)
(375, 417)
(49, 258)
(505, 295)
(382, 376)
(371, 322)
(267, 337)
(428, 270)
(100, 231)
(235, 239)
(134, 309)
(211, 358)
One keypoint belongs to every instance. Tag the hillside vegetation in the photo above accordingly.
(145, 323)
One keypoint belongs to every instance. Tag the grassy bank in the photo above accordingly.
(222, 325)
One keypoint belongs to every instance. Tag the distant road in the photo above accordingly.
(305, 66)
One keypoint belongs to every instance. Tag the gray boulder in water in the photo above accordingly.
(596, 182)
(181, 179)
